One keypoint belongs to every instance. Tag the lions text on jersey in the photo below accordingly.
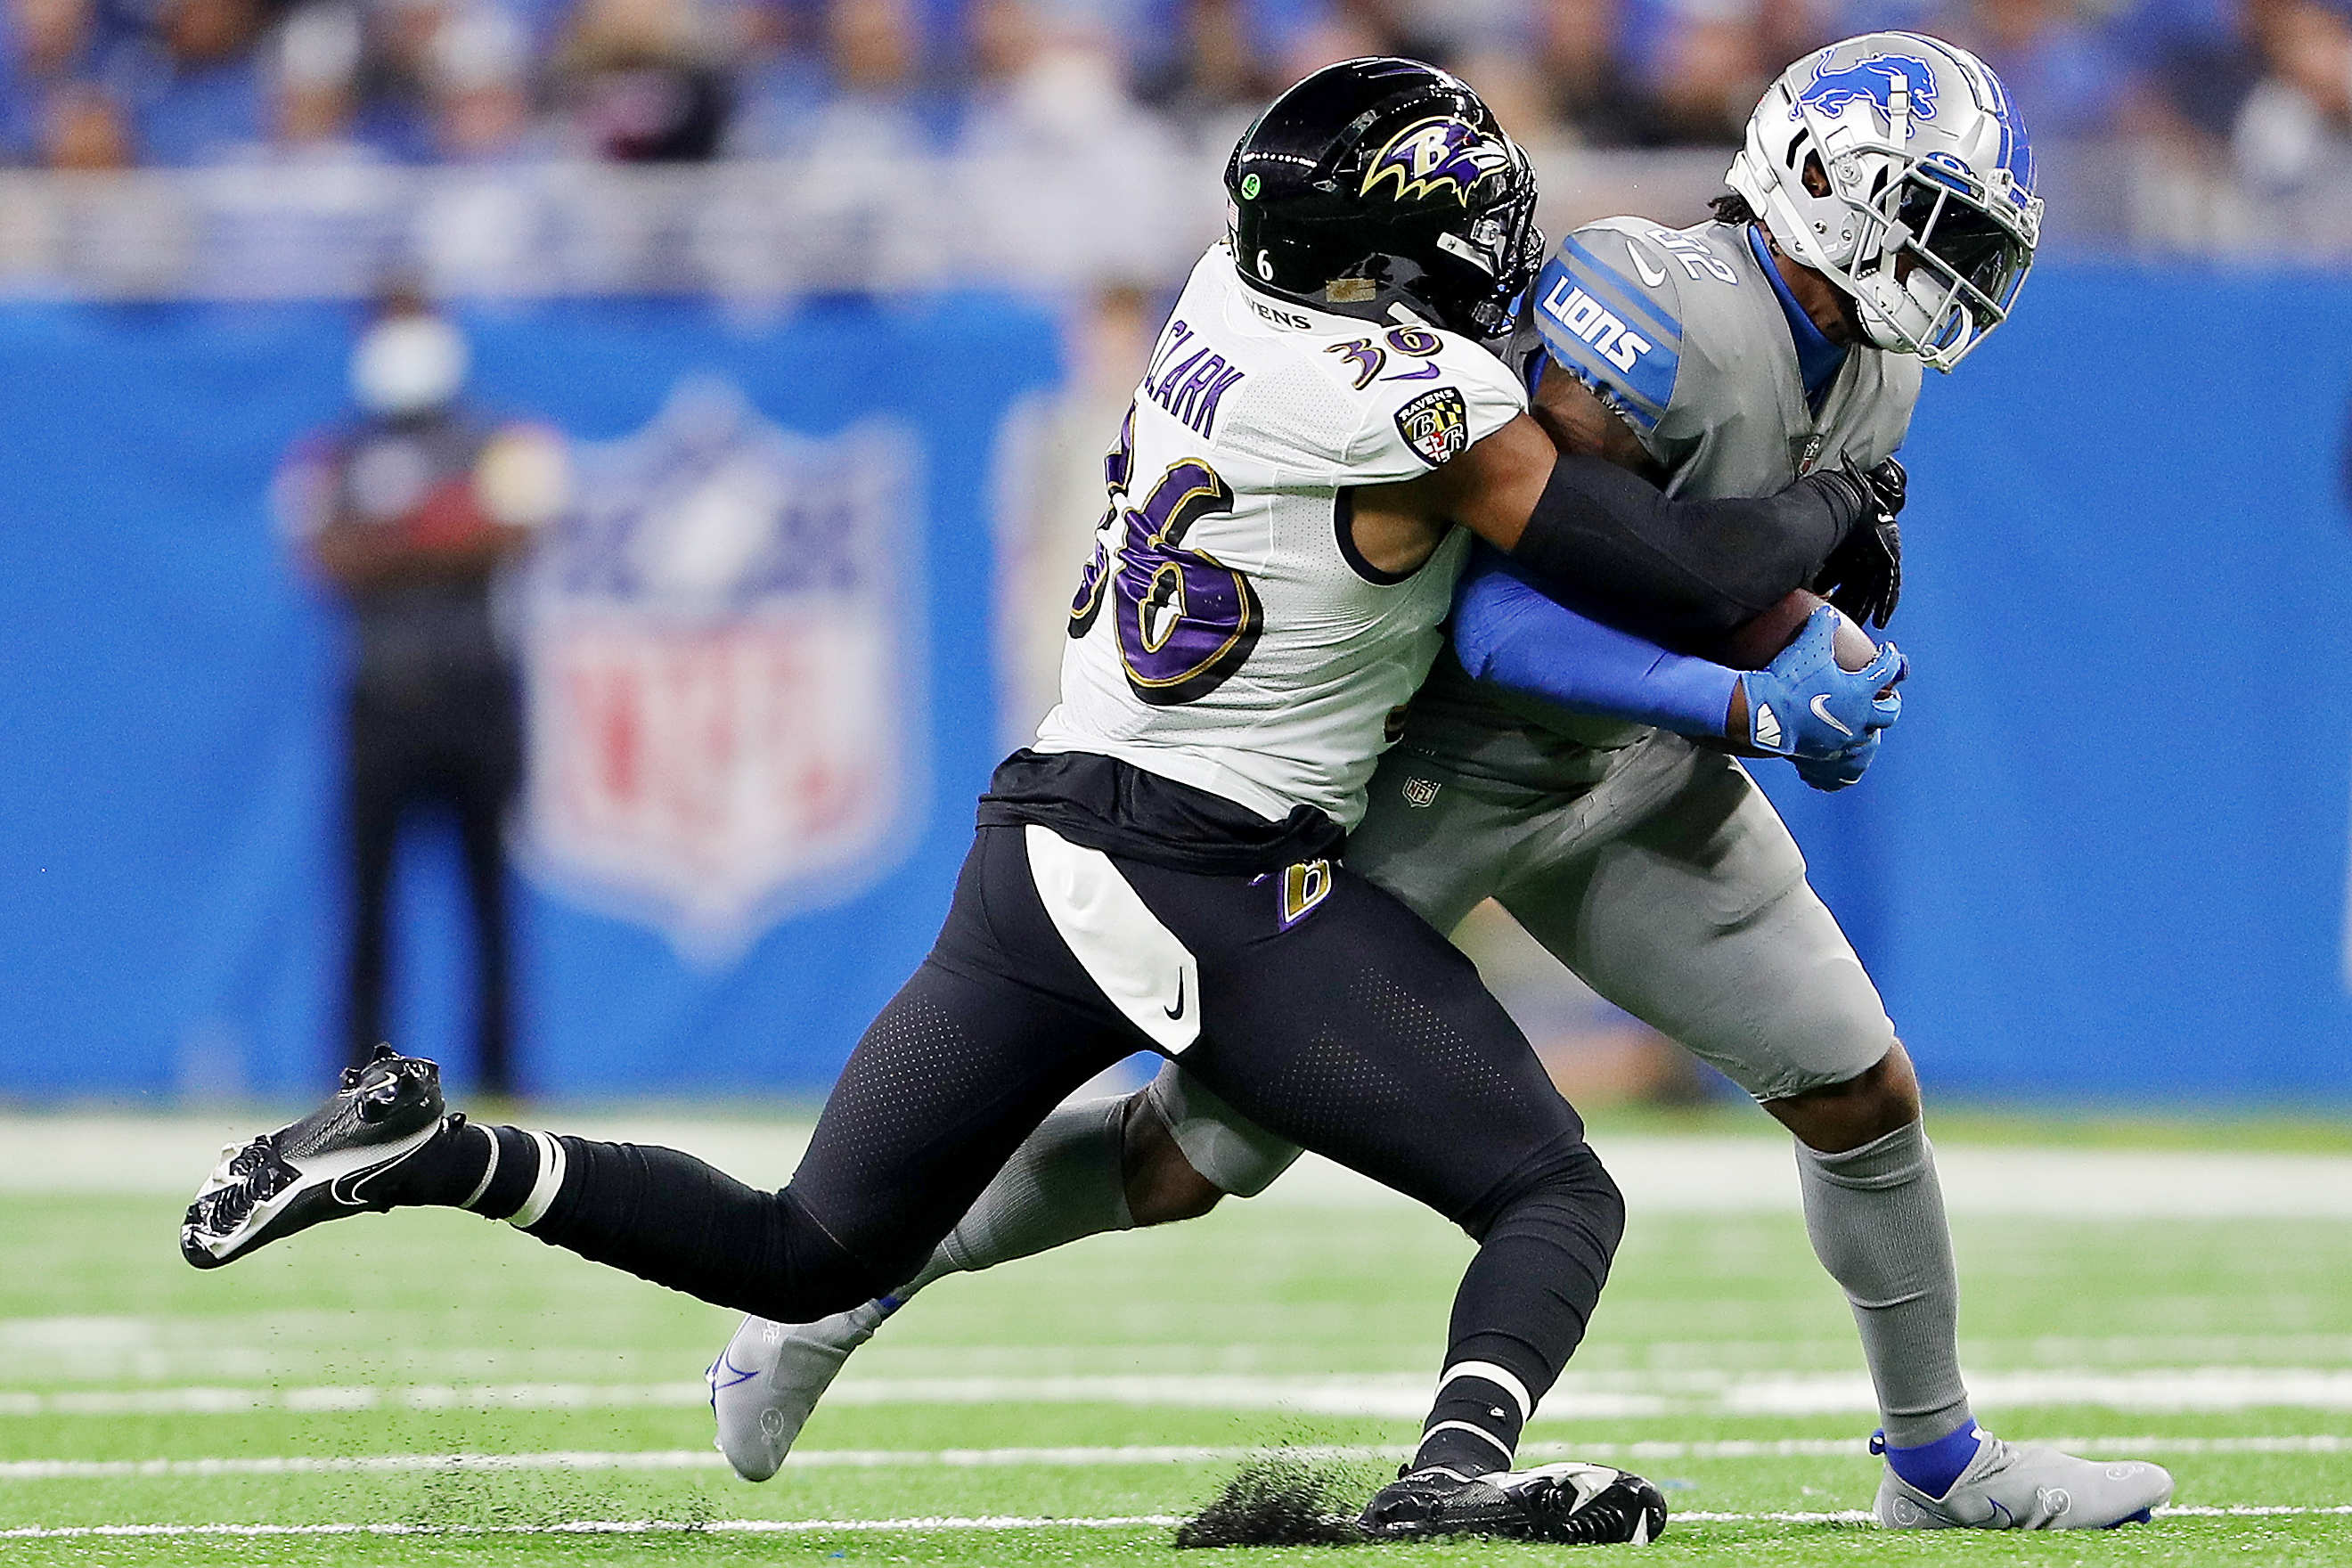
(1681, 332)
(1226, 634)
(1683, 335)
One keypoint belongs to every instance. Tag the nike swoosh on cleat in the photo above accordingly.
(349, 1197)
(726, 1365)
(1822, 711)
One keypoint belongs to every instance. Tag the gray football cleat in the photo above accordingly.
(320, 1168)
(1570, 1503)
(767, 1382)
(2018, 1486)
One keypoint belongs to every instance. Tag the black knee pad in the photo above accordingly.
(1570, 1177)
(1596, 1192)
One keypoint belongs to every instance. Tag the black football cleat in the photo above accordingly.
(320, 1168)
(1569, 1504)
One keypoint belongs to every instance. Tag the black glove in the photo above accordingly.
(1864, 575)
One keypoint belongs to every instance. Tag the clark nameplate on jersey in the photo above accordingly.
(723, 694)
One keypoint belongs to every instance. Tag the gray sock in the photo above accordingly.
(1067, 1180)
(1876, 1217)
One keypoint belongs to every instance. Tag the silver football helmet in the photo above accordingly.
(1894, 165)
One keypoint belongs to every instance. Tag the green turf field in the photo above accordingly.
(430, 1388)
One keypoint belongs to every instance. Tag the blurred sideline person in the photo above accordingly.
(1161, 869)
(1541, 765)
(409, 513)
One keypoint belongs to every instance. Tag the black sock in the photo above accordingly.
(1474, 1426)
(1521, 1312)
(512, 1177)
(662, 1216)
(668, 1218)
(490, 1169)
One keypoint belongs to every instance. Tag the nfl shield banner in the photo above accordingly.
(725, 667)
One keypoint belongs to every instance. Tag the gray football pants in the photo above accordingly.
(1671, 887)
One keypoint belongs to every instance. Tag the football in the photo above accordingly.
(1758, 643)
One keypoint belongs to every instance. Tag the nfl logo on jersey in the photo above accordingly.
(723, 695)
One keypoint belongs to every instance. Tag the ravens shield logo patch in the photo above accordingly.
(1437, 425)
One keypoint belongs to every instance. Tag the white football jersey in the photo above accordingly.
(1226, 634)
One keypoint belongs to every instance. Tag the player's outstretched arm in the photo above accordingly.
(1681, 571)
(1507, 632)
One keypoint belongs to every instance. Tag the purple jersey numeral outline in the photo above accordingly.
(1185, 620)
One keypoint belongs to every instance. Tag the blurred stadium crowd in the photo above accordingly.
(2265, 85)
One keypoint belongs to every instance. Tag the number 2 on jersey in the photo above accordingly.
(1184, 620)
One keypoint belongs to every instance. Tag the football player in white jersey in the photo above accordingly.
(1883, 217)
(1161, 870)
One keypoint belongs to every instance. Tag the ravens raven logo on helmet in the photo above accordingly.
(1436, 155)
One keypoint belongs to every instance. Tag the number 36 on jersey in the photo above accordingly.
(1184, 620)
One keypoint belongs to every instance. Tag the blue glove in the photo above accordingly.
(1803, 705)
(1833, 773)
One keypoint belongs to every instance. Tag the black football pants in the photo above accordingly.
(1349, 1026)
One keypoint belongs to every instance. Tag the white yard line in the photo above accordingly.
(1589, 1396)
(1698, 1174)
(664, 1459)
(311, 1347)
(924, 1525)
(1860, 1516)
(98, 1353)
(605, 1526)
(281, 1345)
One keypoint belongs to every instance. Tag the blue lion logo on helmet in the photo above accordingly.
(1876, 79)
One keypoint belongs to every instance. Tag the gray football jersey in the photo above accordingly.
(1681, 332)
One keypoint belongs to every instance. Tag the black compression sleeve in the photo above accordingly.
(1681, 573)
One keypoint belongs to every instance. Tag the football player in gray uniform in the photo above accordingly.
(1882, 218)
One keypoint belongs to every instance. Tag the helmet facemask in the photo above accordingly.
(1504, 242)
(1947, 262)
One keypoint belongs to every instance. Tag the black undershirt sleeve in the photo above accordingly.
(1681, 573)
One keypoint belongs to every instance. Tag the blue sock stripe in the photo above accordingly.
(1933, 1466)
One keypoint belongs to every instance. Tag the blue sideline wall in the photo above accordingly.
(171, 907)
(2105, 856)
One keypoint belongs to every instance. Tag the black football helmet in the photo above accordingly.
(1380, 183)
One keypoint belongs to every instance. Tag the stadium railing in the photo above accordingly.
(871, 223)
